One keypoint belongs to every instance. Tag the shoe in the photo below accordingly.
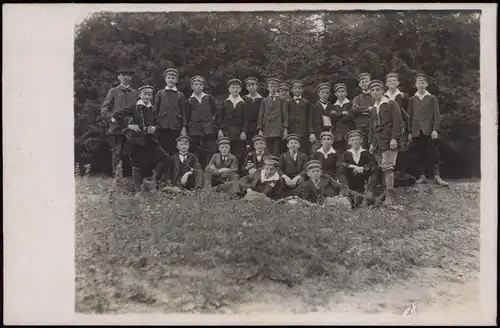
(439, 181)
(421, 179)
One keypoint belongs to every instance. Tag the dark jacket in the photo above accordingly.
(293, 168)
(298, 113)
(385, 126)
(345, 123)
(230, 163)
(328, 187)
(202, 117)
(360, 111)
(233, 119)
(252, 107)
(423, 115)
(252, 156)
(117, 99)
(179, 168)
(272, 189)
(171, 107)
(273, 117)
(141, 115)
(365, 160)
(316, 113)
(329, 163)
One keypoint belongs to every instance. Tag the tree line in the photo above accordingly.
(329, 46)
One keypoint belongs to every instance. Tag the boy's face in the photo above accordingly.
(259, 145)
(283, 93)
(269, 169)
(183, 146)
(355, 142)
(125, 78)
(272, 87)
(293, 144)
(252, 87)
(363, 83)
(421, 84)
(146, 96)
(170, 80)
(327, 141)
(224, 149)
(392, 82)
(197, 86)
(234, 90)
(297, 89)
(314, 173)
(341, 94)
(324, 94)
(377, 93)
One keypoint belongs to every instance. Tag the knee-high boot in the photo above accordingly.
(137, 178)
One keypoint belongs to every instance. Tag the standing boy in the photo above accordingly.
(292, 163)
(393, 93)
(423, 126)
(362, 106)
(298, 111)
(284, 93)
(326, 154)
(170, 104)
(345, 122)
(384, 134)
(142, 137)
(233, 119)
(252, 106)
(322, 115)
(201, 116)
(186, 168)
(118, 98)
(273, 117)
(223, 166)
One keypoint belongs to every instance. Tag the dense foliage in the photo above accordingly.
(317, 47)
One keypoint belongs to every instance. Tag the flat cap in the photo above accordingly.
(258, 137)
(375, 83)
(126, 70)
(353, 133)
(179, 138)
(284, 86)
(392, 74)
(223, 140)
(324, 85)
(325, 133)
(234, 81)
(171, 71)
(251, 79)
(273, 80)
(420, 76)
(340, 86)
(292, 136)
(271, 160)
(197, 78)
(364, 75)
(314, 163)
(297, 82)
(145, 87)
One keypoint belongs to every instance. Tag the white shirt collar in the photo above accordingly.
(235, 101)
(331, 151)
(393, 96)
(263, 178)
(126, 87)
(169, 88)
(274, 95)
(426, 93)
(140, 102)
(367, 92)
(346, 101)
(203, 94)
(383, 101)
(257, 96)
(361, 149)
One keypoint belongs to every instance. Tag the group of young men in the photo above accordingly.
(280, 145)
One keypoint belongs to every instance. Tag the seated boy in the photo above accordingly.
(186, 168)
(142, 137)
(292, 164)
(326, 154)
(322, 189)
(266, 183)
(357, 167)
(223, 166)
(255, 160)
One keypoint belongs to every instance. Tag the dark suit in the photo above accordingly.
(179, 168)
(357, 182)
(361, 114)
(252, 157)
(345, 123)
(298, 112)
(171, 108)
(386, 125)
(213, 178)
(329, 163)
(273, 119)
(327, 187)
(233, 124)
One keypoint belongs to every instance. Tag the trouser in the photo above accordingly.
(117, 143)
(204, 147)
(274, 145)
(387, 161)
(167, 140)
(215, 179)
(358, 182)
(402, 161)
(151, 153)
(194, 181)
(238, 148)
(427, 152)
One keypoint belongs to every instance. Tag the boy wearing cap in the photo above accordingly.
(393, 93)
(266, 182)
(362, 106)
(386, 125)
(118, 98)
(284, 93)
(292, 164)
(323, 189)
(345, 122)
(322, 115)
(201, 116)
(273, 118)
(252, 107)
(255, 159)
(357, 167)
(170, 104)
(233, 119)
(423, 126)
(298, 111)
(326, 154)
(223, 166)
(186, 168)
(142, 136)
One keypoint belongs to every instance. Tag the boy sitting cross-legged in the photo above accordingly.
(186, 168)
(223, 166)
(292, 164)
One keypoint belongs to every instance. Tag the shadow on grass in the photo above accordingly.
(200, 252)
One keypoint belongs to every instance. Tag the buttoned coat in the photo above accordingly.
(316, 112)
(117, 99)
(293, 168)
(179, 168)
(386, 125)
(171, 107)
(233, 119)
(273, 117)
(202, 118)
(423, 115)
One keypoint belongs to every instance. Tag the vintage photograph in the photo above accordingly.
(295, 162)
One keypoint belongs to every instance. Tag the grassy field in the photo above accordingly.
(206, 253)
